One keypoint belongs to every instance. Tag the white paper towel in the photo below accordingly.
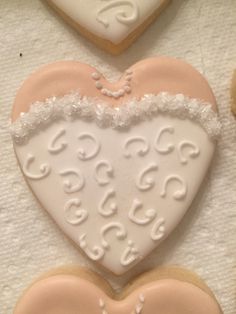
(203, 32)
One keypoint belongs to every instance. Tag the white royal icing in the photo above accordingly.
(130, 254)
(68, 186)
(169, 147)
(109, 194)
(74, 106)
(144, 146)
(122, 17)
(95, 254)
(82, 153)
(125, 177)
(194, 151)
(144, 181)
(140, 305)
(113, 20)
(150, 214)
(53, 146)
(44, 169)
(120, 232)
(158, 230)
(137, 310)
(125, 89)
(105, 166)
(178, 194)
(77, 216)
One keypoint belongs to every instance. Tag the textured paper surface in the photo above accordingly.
(201, 32)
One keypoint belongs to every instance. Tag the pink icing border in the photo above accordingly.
(150, 76)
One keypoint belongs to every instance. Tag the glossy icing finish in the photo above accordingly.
(143, 176)
(161, 183)
(69, 294)
(112, 20)
(150, 76)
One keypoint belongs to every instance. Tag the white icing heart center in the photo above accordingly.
(113, 20)
(116, 191)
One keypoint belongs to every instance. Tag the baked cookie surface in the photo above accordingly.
(116, 165)
(111, 24)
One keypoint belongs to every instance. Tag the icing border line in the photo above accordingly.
(74, 106)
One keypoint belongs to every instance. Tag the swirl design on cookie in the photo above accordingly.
(169, 147)
(111, 24)
(110, 193)
(95, 254)
(68, 186)
(137, 160)
(148, 217)
(43, 168)
(145, 182)
(120, 233)
(53, 146)
(136, 139)
(158, 229)
(103, 165)
(193, 152)
(82, 154)
(75, 217)
(121, 16)
(179, 194)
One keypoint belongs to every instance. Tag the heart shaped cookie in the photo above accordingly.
(164, 291)
(116, 165)
(111, 24)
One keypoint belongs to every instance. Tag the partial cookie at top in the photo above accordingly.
(166, 291)
(125, 159)
(112, 25)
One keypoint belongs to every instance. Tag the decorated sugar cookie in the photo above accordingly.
(116, 165)
(165, 291)
(111, 24)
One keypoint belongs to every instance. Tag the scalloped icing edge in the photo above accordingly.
(75, 106)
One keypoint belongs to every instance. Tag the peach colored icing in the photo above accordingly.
(159, 156)
(149, 76)
(67, 294)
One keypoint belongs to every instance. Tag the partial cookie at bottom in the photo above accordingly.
(165, 291)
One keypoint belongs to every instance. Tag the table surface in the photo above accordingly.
(201, 32)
